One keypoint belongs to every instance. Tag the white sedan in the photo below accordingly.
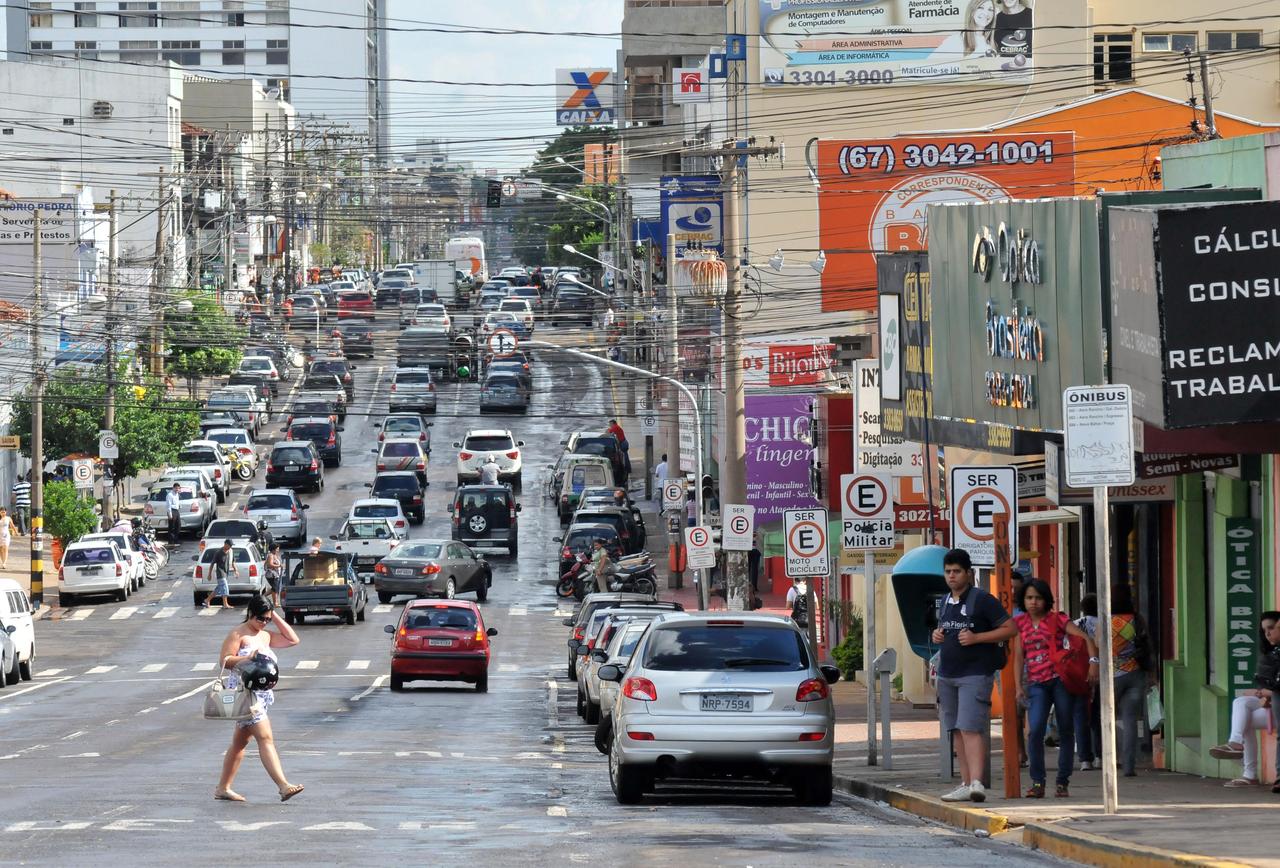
(382, 507)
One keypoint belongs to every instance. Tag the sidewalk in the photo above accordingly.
(1165, 818)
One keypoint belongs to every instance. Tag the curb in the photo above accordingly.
(1070, 844)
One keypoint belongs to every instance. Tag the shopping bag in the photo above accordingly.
(1155, 709)
(229, 703)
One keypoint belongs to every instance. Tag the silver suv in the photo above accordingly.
(722, 694)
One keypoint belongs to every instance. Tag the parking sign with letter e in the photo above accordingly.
(978, 495)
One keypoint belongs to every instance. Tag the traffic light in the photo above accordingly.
(493, 194)
(708, 489)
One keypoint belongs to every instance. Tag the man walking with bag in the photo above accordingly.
(971, 627)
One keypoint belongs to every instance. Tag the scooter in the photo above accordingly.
(573, 582)
(638, 578)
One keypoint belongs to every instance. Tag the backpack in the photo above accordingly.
(999, 652)
(800, 610)
(1070, 657)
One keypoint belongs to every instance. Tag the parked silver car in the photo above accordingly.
(197, 506)
(714, 694)
(604, 626)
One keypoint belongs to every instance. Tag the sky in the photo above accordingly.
(476, 120)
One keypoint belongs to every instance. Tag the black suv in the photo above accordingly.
(486, 516)
(295, 464)
(357, 337)
(323, 434)
(340, 368)
(404, 486)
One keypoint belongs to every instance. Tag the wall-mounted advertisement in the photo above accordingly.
(585, 97)
(779, 454)
(862, 43)
(874, 195)
(692, 211)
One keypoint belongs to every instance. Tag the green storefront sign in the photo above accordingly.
(1242, 600)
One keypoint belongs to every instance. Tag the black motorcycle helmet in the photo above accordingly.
(259, 673)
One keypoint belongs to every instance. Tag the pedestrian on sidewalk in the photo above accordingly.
(1131, 660)
(1088, 716)
(971, 627)
(1040, 629)
(7, 531)
(172, 507)
(660, 474)
(247, 652)
(224, 562)
(616, 430)
(1251, 710)
(22, 503)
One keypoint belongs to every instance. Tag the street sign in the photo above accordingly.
(735, 534)
(503, 342)
(82, 472)
(700, 551)
(1098, 424)
(648, 423)
(866, 512)
(108, 446)
(978, 495)
(10, 441)
(805, 532)
(673, 493)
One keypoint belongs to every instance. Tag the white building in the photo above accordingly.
(326, 57)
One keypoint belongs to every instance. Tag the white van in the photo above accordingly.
(15, 611)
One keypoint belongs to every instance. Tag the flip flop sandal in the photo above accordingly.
(228, 796)
(286, 795)
(1239, 783)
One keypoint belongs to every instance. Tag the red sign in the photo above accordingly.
(799, 364)
(917, 517)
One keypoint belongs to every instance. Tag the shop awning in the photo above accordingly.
(1061, 515)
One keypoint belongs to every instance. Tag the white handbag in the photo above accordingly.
(230, 703)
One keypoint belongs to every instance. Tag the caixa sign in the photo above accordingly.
(1013, 255)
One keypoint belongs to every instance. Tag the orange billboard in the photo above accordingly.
(874, 194)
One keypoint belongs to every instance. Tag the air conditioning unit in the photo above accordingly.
(102, 109)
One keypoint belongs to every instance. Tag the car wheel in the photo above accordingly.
(514, 549)
(66, 601)
(27, 667)
(197, 599)
(592, 715)
(350, 618)
(482, 683)
(299, 618)
(397, 683)
(482, 592)
(384, 597)
(450, 589)
(122, 595)
(573, 667)
(360, 614)
(14, 675)
(460, 483)
(517, 483)
(604, 733)
(581, 706)
(812, 787)
(628, 783)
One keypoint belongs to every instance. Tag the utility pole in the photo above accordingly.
(157, 275)
(37, 422)
(671, 340)
(1209, 119)
(228, 207)
(109, 355)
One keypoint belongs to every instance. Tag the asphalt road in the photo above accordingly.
(104, 756)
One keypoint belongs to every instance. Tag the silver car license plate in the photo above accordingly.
(404, 572)
(442, 643)
(725, 702)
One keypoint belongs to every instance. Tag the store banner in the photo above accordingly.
(779, 454)
(692, 211)
(1242, 600)
(874, 195)
(1194, 291)
(855, 43)
(784, 361)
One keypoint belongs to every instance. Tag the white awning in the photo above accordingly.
(1061, 515)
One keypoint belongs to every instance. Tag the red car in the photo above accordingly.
(440, 640)
(355, 303)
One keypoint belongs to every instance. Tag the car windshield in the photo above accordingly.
(430, 310)
(614, 521)
(329, 367)
(488, 444)
(304, 301)
(395, 426)
(440, 617)
(227, 399)
(400, 450)
(513, 305)
(269, 501)
(725, 646)
(79, 557)
(583, 537)
(291, 456)
(231, 527)
(354, 297)
(368, 530)
(229, 438)
(198, 456)
(302, 408)
(239, 554)
(502, 382)
(392, 484)
(376, 510)
(596, 446)
(256, 364)
(474, 500)
(418, 550)
(502, 316)
(310, 431)
(421, 377)
(159, 494)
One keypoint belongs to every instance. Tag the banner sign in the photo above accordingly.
(859, 43)
(692, 211)
(875, 449)
(1242, 601)
(779, 452)
(584, 97)
(874, 194)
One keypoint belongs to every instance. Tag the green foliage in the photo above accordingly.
(848, 654)
(67, 515)
(205, 342)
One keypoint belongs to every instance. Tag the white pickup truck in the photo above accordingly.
(367, 540)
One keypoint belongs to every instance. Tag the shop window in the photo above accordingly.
(184, 52)
(86, 15)
(1112, 57)
(277, 52)
(1228, 40)
(233, 52)
(1153, 43)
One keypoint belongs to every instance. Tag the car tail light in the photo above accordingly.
(423, 436)
(382, 437)
(346, 378)
(200, 546)
(466, 456)
(393, 387)
(431, 387)
(399, 523)
(564, 498)
(636, 735)
(61, 577)
(119, 569)
(430, 569)
(565, 553)
(417, 498)
(315, 465)
(579, 632)
(812, 689)
(293, 513)
(379, 568)
(244, 450)
(217, 473)
(480, 636)
(351, 592)
(812, 736)
(636, 687)
(199, 572)
(381, 466)
(422, 465)
(515, 454)
(253, 571)
(511, 511)
(271, 468)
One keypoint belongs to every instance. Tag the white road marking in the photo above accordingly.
(237, 826)
(148, 710)
(210, 611)
(44, 673)
(75, 735)
(557, 811)
(308, 664)
(100, 670)
(192, 692)
(419, 826)
(358, 664)
(79, 755)
(203, 666)
(519, 610)
(166, 612)
(166, 595)
(377, 682)
(382, 608)
(153, 667)
(79, 614)
(122, 613)
(33, 825)
(508, 667)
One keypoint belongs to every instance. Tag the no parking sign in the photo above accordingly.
(738, 523)
(700, 550)
(978, 495)
(805, 533)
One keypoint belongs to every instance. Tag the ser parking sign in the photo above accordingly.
(978, 495)
(805, 535)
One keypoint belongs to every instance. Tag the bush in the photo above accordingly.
(848, 654)
(67, 515)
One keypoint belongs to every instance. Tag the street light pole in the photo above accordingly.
(37, 421)
(109, 353)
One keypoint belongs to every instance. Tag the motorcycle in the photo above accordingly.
(634, 574)
(638, 578)
(240, 465)
(573, 582)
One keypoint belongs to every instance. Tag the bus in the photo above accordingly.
(467, 254)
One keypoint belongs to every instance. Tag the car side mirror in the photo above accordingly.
(609, 672)
(389, 628)
(568, 622)
(558, 539)
(195, 558)
(573, 644)
(366, 485)
(519, 507)
(374, 451)
(492, 631)
(584, 649)
(377, 424)
(600, 656)
(333, 536)
(449, 507)
(457, 445)
(519, 442)
(431, 424)
(308, 506)
(830, 672)
(340, 428)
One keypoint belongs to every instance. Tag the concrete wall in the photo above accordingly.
(1239, 162)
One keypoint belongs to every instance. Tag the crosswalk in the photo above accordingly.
(355, 666)
(125, 613)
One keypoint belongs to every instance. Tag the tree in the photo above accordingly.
(150, 428)
(67, 515)
(203, 343)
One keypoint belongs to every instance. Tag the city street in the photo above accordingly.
(105, 752)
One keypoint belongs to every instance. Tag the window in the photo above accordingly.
(1112, 57)
(277, 52)
(86, 15)
(138, 51)
(277, 11)
(185, 52)
(1226, 40)
(87, 50)
(1155, 42)
(233, 52)
(40, 46)
(39, 16)
(234, 13)
(144, 13)
(180, 13)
